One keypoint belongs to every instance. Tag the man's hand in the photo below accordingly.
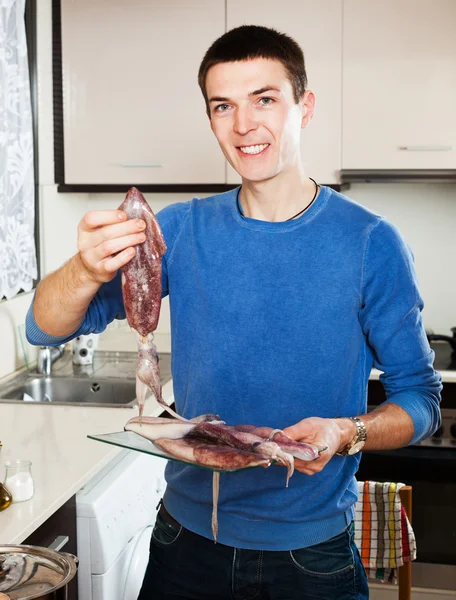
(106, 240)
(332, 434)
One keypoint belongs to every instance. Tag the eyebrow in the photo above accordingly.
(262, 90)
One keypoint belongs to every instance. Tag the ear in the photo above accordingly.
(308, 108)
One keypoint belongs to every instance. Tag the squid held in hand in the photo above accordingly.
(142, 293)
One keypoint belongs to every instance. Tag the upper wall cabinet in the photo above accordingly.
(399, 84)
(133, 111)
(317, 27)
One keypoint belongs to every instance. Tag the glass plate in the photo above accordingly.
(133, 441)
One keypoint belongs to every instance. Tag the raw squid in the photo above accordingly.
(219, 457)
(263, 440)
(142, 291)
(299, 450)
(229, 436)
(153, 428)
(207, 441)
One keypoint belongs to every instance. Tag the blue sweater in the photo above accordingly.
(272, 323)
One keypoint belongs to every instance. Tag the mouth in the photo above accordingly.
(252, 151)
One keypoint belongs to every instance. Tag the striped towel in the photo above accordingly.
(383, 532)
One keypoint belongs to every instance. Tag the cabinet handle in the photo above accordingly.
(427, 148)
(59, 542)
(140, 165)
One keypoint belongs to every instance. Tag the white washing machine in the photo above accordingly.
(115, 514)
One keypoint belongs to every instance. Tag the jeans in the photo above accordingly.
(183, 564)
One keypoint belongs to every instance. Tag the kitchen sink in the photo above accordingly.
(66, 390)
(110, 381)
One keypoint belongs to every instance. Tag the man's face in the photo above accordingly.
(254, 117)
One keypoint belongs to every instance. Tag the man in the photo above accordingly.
(284, 294)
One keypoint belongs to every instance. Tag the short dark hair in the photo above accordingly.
(253, 41)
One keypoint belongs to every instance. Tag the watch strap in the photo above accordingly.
(360, 435)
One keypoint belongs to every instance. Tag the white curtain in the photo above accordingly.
(17, 209)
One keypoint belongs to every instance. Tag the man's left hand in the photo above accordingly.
(332, 434)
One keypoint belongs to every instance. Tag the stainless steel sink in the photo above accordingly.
(66, 390)
(110, 381)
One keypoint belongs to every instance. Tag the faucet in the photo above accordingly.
(48, 355)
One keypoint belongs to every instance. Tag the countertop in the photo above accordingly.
(444, 362)
(63, 459)
(448, 376)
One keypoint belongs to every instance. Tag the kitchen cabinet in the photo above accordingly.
(399, 84)
(132, 108)
(62, 524)
(317, 27)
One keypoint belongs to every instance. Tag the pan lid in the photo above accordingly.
(28, 572)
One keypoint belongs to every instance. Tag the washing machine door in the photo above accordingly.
(138, 564)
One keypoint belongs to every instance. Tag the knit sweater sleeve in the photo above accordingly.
(390, 316)
(107, 304)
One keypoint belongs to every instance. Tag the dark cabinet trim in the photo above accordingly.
(160, 188)
(57, 92)
(398, 175)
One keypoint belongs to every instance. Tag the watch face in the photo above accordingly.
(356, 448)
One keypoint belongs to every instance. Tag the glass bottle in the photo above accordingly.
(5, 497)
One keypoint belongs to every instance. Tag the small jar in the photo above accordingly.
(19, 480)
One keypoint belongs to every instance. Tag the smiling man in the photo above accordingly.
(284, 294)
(257, 118)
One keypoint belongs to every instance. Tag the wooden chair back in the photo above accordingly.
(404, 573)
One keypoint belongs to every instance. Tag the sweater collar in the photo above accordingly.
(280, 226)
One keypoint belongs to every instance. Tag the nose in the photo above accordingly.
(244, 121)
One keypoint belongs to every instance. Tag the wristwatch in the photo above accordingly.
(358, 441)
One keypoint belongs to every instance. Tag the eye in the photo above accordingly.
(269, 100)
(220, 108)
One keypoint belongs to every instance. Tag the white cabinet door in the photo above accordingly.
(317, 27)
(399, 84)
(133, 111)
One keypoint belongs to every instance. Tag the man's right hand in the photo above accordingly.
(106, 242)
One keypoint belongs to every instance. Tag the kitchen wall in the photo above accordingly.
(426, 216)
(425, 213)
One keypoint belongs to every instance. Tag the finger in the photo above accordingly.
(96, 258)
(106, 249)
(114, 263)
(299, 430)
(291, 432)
(310, 467)
(308, 463)
(118, 230)
(96, 237)
(305, 471)
(98, 218)
(304, 467)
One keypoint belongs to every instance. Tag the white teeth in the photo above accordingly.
(253, 149)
